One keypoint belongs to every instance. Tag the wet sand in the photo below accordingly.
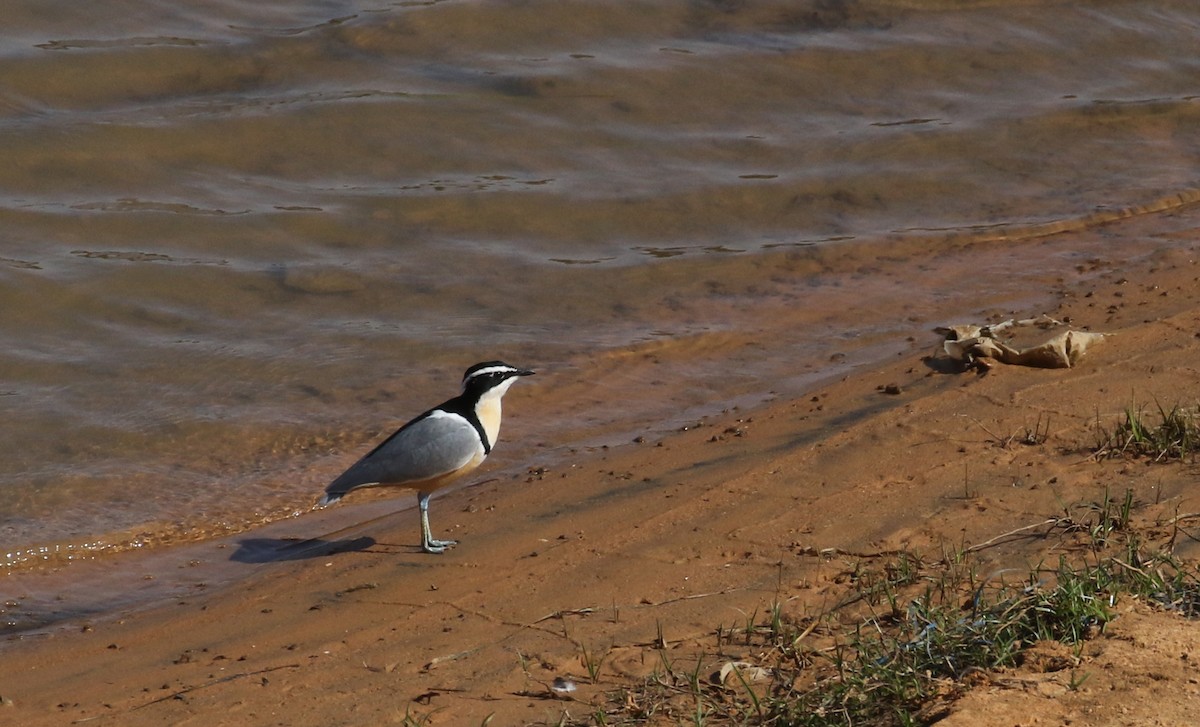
(671, 537)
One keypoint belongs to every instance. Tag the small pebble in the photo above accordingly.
(562, 687)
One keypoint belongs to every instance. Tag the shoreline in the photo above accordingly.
(777, 324)
(658, 542)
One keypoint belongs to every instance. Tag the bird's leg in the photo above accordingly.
(428, 544)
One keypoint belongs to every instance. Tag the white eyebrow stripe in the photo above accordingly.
(492, 370)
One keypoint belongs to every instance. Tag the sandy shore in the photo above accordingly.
(662, 541)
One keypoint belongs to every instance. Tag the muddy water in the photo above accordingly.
(237, 243)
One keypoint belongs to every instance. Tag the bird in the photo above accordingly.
(437, 447)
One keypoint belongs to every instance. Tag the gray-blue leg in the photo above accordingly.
(428, 544)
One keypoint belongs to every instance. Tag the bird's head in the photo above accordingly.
(491, 376)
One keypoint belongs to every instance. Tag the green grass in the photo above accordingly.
(1173, 435)
(908, 635)
(898, 669)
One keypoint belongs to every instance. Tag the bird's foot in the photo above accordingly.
(438, 546)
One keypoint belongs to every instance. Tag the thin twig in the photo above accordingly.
(214, 682)
(1133, 568)
(826, 552)
(585, 611)
(992, 541)
(188, 690)
(692, 597)
(992, 434)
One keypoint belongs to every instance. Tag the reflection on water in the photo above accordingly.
(239, 242)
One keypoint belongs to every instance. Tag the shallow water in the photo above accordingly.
(238, 243)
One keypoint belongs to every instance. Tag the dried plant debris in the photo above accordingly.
(1040, 342)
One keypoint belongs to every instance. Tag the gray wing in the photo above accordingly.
(429, 447)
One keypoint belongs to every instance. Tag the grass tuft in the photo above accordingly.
(1174, 436)
(910, 635)
(900, 672)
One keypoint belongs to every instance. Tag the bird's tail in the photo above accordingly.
(339, 488)
(329, 498)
